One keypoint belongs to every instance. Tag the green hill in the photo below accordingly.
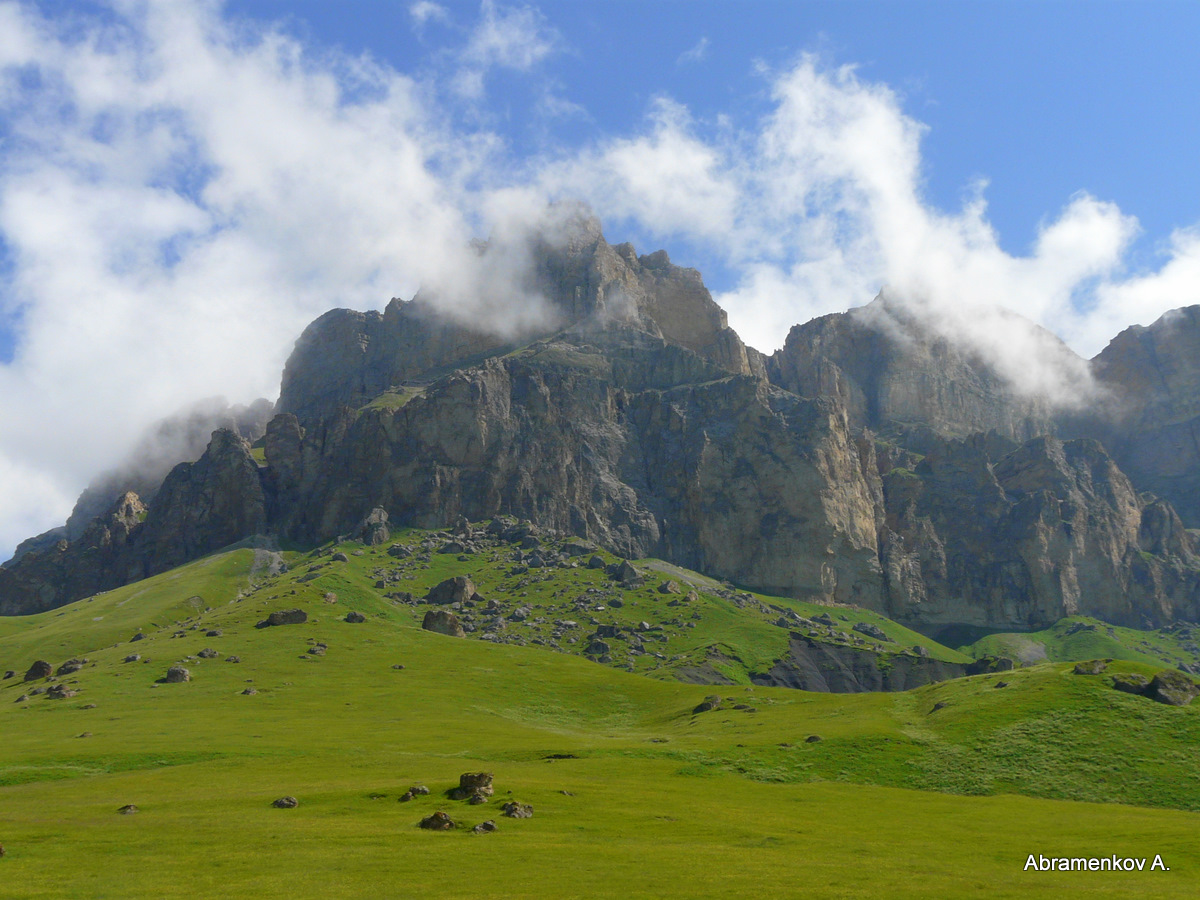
(944, 790)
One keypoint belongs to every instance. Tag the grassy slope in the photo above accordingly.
(1080, 637)
(660, 801)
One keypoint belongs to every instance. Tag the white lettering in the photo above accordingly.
(1158, 864)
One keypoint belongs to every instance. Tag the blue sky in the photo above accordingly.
(184, 185)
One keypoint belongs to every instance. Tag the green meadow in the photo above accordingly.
(940, 791)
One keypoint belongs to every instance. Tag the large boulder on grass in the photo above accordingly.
(40, 669)
(458, 589)
(1172, 688)
(439, 821)
(441, 621)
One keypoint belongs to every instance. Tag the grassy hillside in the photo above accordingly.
(634, 794)
(1080, 637)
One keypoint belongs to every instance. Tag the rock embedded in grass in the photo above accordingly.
(354, 617)
(177, 675)
(514, 810)
(439, 821)
(128, 809)
(1131, 683)
(284, 617)
(1091, 667)
(1172, 688)
(708, 704)
(472, 783)
(286, 803)
(70, 667)
(484, 827)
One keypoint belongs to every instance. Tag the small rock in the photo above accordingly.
(941, 704)
(1091, 667)
(1001, 684)
(249, 692)
(920, 650)
(86, 734)
(60, 692)
(872, 631)
(286, 803)
(813, 739)
(284, 617)
(70, 667)
(233, 659)
(137, 637)
(128, 809)
(669, 587)
(514, 810)
(355, 617)
(398, 666)
(213, 632)
(709, 703)
(9, 674)
(208, 653)
(484, 827)
(133, 657)
(439, 821)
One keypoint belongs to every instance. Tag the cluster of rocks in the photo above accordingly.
(476, 788)
(1168, 686)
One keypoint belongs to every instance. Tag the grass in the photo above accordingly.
(1080, 637)
(653, 800)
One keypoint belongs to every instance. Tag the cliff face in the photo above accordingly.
(896, 376)
(1151, 422)
(867, 462)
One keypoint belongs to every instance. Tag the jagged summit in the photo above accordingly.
(582, 283)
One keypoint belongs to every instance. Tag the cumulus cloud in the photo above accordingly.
(178, 198)
(516, 38)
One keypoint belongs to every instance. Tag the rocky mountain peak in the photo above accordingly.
(345, 358)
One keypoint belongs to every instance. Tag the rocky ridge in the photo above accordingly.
(867, 462)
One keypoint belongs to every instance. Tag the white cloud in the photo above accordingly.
(425, 11)
(694, 54)
(509, 37)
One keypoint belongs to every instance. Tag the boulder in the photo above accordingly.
(177, 675)
(439, 821)
(708, 704)
(1091, 667)
(988, 664)
(286, 803)
(355, 617)
(443, 621)
(458, 589)
(596, 562)
(373, 529)
(871, 631)
(1173, 688)
(208, 653)
(284, 617)
(514, 810)
(813, 739)
(1131, 683)
(484, 827)
(40, 669)
(70, 667)
(60, 692)
(669, 587)
(472, 783)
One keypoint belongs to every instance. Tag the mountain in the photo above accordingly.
(869, 462)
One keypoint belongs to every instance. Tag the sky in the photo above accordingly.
(185, 185)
